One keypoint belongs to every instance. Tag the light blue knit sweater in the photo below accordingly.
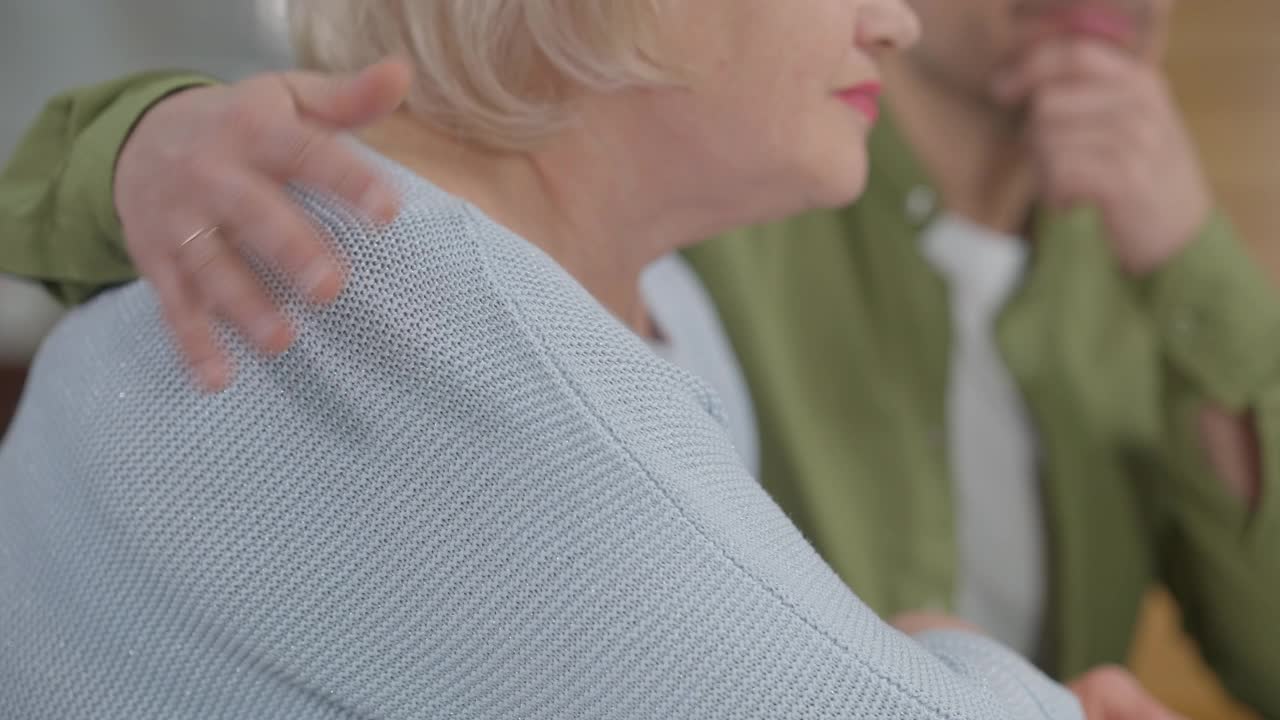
(467, 492)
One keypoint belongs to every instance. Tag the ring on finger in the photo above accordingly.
(205, 241)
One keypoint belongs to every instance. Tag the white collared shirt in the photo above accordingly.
(992, 443)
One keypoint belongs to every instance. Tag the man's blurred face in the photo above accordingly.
(966, 42)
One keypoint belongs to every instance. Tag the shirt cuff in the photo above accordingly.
(102, 141)
(1218, 315)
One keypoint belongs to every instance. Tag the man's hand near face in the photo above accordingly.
(1106, 133)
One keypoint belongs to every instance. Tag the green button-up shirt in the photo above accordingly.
(842, 328)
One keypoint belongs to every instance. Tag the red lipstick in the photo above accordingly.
(865, 98)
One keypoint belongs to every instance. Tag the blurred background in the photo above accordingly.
(1223, 64)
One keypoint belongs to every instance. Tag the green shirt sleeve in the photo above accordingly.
(58, 221)
(1219, 316)
(1220, 559)
(1218, 320)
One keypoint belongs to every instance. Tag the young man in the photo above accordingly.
(1032, 373)
(1035, 305)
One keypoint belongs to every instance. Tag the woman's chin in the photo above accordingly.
(841, 186)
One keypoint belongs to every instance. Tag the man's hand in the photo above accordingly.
(209, 166)
(1105, 129)
(1113, 693)
(1107, 693)
(1231, 442)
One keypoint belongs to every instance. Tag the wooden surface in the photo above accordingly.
(1225, 69)
(1168, 663)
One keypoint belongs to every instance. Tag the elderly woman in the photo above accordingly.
(468, 490)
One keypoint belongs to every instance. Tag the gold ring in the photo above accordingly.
(199, 234)
(203, 255)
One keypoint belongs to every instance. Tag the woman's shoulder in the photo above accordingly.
(485, 295)
(444, 264)
(439, 246)
(434, 231)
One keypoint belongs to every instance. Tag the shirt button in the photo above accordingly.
(1185, 324)
(921, 202)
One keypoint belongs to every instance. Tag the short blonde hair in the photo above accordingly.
(499, 72)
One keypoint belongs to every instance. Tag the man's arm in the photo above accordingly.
(1218, 475)
(58, 222)
(182, 181)
(1108, 135)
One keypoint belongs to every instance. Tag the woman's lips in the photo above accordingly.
(864, 98)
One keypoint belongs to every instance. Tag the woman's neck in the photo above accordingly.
(567, 198)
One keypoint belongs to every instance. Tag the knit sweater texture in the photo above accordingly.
(465, 492)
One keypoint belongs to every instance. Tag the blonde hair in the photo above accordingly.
(499, 72)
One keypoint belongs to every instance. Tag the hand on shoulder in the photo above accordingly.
(200, 189)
